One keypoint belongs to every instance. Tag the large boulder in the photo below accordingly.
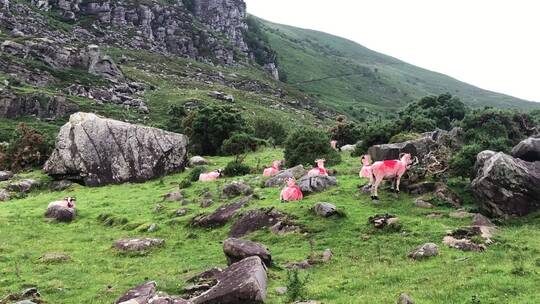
(236, 250)
(5, 175)
(528, 150)
(243, 282)
(61, 213)
(98, 151)
(418, 147)
(506, 186)
(279, 179)
(254, 220)
(318, 183)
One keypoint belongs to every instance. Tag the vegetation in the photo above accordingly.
(344, 132)
(368, 266)
(304, 146)
(236, 168)
(28, 150)
(257, 41)
(239, 143)
(269, 129)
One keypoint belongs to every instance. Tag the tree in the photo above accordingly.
(265, 128)
(306, 145)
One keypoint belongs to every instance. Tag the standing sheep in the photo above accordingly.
(388, 169)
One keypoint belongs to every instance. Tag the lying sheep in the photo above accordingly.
(320, 170)
(272, 170)
(291, 192)
(68, 202)
(211, 176)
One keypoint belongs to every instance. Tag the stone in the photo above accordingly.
(236, 189)
(404, 299)
(527, 150)
(466, 239)
(254, 220)
(319, 183)
(280, 179)
(348, 148)
(61, 213)
(419, 148)
(207, 203)
(461, 214)
(4, 195)
(100, 65)
(221, 96)
(23, 186)
(197, 161)
(445, 194)
(327, 255)
(222, 215)
(138, 244)
(60, 185)
(242, 282)
(54, 257)
(153, 228)
(181, 212)
(236, 250)
(325, 209)
(435, 215)
(422, 188)
(173, 197)
(424, 251)
(5, 175)
(381, 221)
(480, 220)
(139, 295)
(506, 186)
(97, 151)
(281, 290)
(421, 202)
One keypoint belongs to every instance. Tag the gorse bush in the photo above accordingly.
(28, 150)
(239, 143)
(236, 168)
(304, 146)
(269, 129)
(345, 132)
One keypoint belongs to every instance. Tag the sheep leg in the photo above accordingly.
(398, 180)
(374, 189)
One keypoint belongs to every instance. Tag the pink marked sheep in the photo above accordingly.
(333, 144)
(272, 170)
(68, 202)
(291, 192)
(366, 169)
(388, 169)
(320, 170)
(211, 176)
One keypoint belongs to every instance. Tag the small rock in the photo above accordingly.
(5, 175)
(54, 258)
(435, 215)
(31, 292)
(138, 244)
(207, 194)
(461, 214)
(235, 189)
(318, 183)
(197, 161)
(207, 203)
(281, 290)
(327, 255)
(181, 212)
(153, 228)
(23, 186)
(4, 195)
(173, 197)
(404, 299)
(222, 215)
(325, 209)
(140, 294)
(236, 250)
(381, 221)
(60, 185)
(480, 220)
(424, 251)
(280, 179)
(422, 203)
(299, 265)
(61, 213)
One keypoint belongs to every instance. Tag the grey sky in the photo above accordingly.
(493, 44)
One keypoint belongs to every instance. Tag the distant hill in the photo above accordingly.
(345, 75)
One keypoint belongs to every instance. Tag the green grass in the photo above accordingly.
(356, 77)
(368, 266)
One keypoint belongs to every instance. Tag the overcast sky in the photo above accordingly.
(493, 44)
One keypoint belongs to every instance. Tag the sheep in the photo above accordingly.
(365, 172)
(320, 170)
(272, 170)
(211, 176)
(389, 169)
(68, 202)
(333, 144)
(291, 192)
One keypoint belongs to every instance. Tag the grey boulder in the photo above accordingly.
(528, 150)
(222, 215)
(98, 151)
(424, 251)
(5, 175)
(318, 183)
(23, 186)
(236, 250)
(138, 244)
(4, 195)
(325, 209)
(61, 213)
(235, 189)
(279, 179)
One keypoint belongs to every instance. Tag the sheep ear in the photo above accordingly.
(401, 155)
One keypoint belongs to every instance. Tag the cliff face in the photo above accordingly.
(206, 30)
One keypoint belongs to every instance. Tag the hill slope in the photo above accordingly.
(344, 74)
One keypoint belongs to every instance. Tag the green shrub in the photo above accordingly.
(239, 143)
(269, 129)
(306, 145)
(176, 115)
(195, 172)
(236, 168)
(296, 286)
(344, 132)
(404, 136)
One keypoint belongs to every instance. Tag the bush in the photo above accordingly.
(404, 136)
(236, 168)
(344, 132)
(28, 150)
(296, 286)
(269, 129)
(304, 146)
(208, 127)
(239, 143)
(195, 172)
(176, 115)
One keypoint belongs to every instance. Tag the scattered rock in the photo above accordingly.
(422, 203)
(404, 299)
(319, 183)
(207, 203)
(381, 221)
(153, 228)
(422, 188)
(325, 209)
(424, 251)
(417, 147)
(447, 195)
(60, 185)
(236, 189)
(254, 220)
(279, 179)
(54, 258)
(139, 295)
(138, 244)
(348, 148)
(4, 195)
(466, 239)
(61, 213)
(281, 290)
(435, 215)
(5, 175)
(506, 186)
(222, 215)
(173, 197)
(197, 161)
(181, 212)
(221, 96)
(236, 250)
(528, 150)
(23, 186)
(242, 282)
(327, 255)
(109, 151)
(461, 214)
(480, 220)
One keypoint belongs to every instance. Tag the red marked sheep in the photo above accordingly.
(365, 172)
(291, 192)
(272, 170)
(388, 169)
(320, 170)
(211, 176)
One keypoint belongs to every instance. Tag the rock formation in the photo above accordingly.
(97, 151)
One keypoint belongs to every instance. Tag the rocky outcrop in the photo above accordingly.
(319, 183)
(236, 250)
(243, 282)
(147, 293)
(506, 186)
(254, 220)
(13, 105)
(97, 151)
(221, 216)
(528, 150)
(280, 179)
(417, 147)
(138, 244)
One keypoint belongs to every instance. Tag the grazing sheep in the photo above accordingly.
(211, 176)
(68, 202)
(389, 169)
(272, 170)
(320, 170)
(291, 192)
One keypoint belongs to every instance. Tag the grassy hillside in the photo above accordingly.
(348, 76)
(368, 266)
